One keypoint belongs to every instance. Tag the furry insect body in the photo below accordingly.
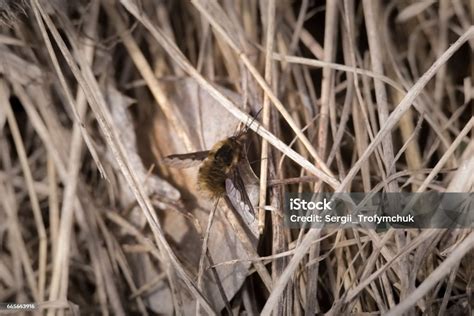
(220, 175)
(223, 158)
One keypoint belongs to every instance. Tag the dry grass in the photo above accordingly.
(356, 97)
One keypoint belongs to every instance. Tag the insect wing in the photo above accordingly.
(237, 194)
(189, 160)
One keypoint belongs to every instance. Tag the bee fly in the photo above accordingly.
(221, 173)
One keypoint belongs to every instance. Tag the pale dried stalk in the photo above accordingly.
(330, 33)
(270, 31)
(53, 203)
(380, 92)
(335, 66)
(202, 259)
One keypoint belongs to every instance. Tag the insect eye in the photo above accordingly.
(225, 154)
